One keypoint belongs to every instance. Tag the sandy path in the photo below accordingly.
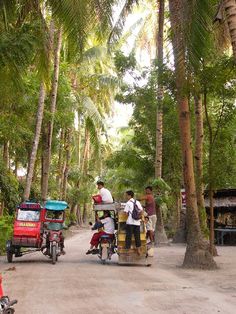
(80, 284)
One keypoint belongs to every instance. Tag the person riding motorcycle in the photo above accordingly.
(104, 225)
(55, 226)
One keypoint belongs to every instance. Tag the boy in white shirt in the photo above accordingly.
(105, 193)
(132, 225)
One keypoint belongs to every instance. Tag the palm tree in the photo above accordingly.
(49, 129)
(230, 11)
(197, 254)
(39, 120)
(160, 236)
(159, 121)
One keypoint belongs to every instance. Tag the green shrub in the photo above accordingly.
(6, 229)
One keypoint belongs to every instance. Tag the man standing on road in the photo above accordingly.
(132, 225)
(105, 193)
(150, 208)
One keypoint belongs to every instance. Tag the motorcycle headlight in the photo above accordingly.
(55, 236)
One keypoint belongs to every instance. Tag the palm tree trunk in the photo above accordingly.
(85, 152)
(78, 215)
(160, 234)
(230, 10)
(6, 158)
(197, 254)
(210, 175)
(60, 158)
(16, 166)
(67, 164)
(199, 136)
(85, 213)
(33, 155)
(79, 142)
(180, 235)
(159, 114)
(48, 146)
(1, 208)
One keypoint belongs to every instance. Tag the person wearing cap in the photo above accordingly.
(105, 193)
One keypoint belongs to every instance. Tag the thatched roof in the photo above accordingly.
(222, 198)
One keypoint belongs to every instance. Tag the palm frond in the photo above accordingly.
(94, 53)
(199, 29)
(118, 26)
(94, 134)
(89, 110)
(17, 50)
(80, 18)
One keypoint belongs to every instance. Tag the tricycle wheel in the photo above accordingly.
(9, 311)
(9, 257)
(9, 251)
(54, 254)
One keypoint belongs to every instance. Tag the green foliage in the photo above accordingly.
(124, 63)
(6, 227)
(132, 165)
(218, 79)
(161, 185)
(9, 188)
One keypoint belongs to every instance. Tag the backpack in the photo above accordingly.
(136, 213)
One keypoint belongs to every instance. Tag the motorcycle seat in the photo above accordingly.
(105, 236)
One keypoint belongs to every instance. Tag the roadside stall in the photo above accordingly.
(224, 216)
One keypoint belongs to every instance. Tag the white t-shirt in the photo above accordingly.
(129, 209)
(106, 195)
(109, 226)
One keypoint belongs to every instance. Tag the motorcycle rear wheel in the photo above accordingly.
(9, 311)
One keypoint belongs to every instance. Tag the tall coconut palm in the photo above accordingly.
(230, 11)
(39, 120)
(160, 236)
(49, 129)
(197, 254)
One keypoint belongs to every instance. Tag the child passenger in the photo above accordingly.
(148, 227)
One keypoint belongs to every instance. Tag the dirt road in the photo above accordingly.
(80, 284)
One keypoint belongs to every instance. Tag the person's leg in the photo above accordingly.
(62, 245)
(95, 241)
(47, 251)
(151, 235)
(137, 236)
(137, 239)
(128, 237)
(153, 220)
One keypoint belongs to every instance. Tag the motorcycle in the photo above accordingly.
(54, 249)
(106, 248)
(6, 306)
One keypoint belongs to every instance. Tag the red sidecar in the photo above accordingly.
(27, 229)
